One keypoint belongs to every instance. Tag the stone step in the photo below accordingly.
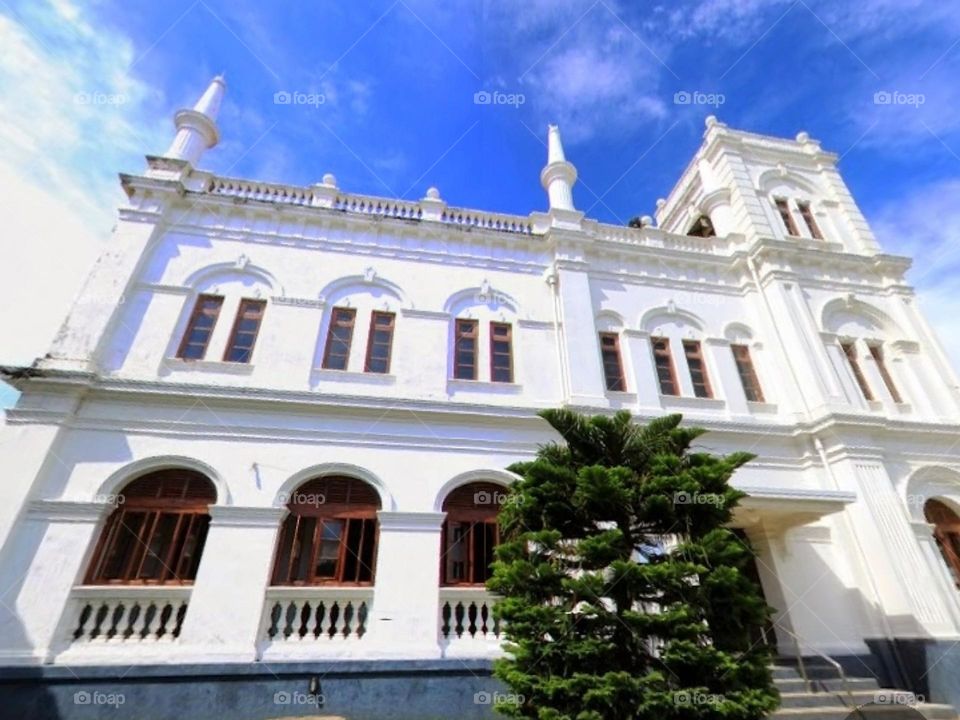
(931, 711)
(829, 699)
(834, 684)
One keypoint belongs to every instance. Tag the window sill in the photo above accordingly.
(762, 408)
(214, 366)
(352, 376)
(875, 405)
(621, 396)
(488, 386)
(679, 401)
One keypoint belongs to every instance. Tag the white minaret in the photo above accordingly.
(197, 127)
(558, 176)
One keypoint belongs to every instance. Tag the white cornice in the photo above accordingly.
(410, 521)
(246, 516)
(67, 511)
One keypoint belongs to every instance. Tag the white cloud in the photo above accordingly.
(73, 115)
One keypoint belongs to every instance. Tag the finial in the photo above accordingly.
(710, 121)
(197, 126)
(433, 193)
(329, 179)
(803, 137)
(559, 175)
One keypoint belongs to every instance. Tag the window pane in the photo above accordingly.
(328, 554)
(785, 215)
(152, 567)
(877, 353)
(664, 365)
(303, 549)
(698, 369)
(200, 327)
(456, 552)
(850, 350)
(465, 350)
(748, 376)
(501, 362)
(379, 343)
(339, 337)
(245, 330)
(612, 369)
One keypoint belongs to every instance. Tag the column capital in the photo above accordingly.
(411, 521)
(246, 516)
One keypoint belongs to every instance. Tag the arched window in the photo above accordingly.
(330, 535)
(946, 532)
(470, 533)
(157, 533)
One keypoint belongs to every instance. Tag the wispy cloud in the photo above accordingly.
(72, 118)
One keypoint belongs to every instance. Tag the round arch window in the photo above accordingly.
(470, 533)
(946, 532)
(157, 533)
(330, 535)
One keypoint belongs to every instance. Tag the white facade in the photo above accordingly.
(836, 494)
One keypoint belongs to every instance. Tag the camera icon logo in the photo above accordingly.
(81, 697)
(482, 698)
(682, 97)
(282, 97)
(281, 697)
(482, 97)
(882, 97)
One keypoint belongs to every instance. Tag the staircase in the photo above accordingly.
(826, 694)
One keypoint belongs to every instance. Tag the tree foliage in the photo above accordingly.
(624, 595)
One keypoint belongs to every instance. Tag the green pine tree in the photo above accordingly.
(623, 592)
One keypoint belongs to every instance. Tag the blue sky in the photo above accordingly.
(87, 89)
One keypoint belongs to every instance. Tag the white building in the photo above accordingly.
(267, 441)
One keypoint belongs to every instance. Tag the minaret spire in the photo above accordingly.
(197, 126)
(559, 175)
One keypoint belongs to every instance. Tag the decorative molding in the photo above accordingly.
(249, 516)
(426, 314)
(410, 521)
(68, 511)
(208, 366)
(316, 303)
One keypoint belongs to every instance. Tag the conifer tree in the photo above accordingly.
(624, 595)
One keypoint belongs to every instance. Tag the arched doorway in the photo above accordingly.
(946, 531)
(156, 535)
(470, 533)
(330, 535)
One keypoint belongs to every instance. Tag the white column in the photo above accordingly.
(581, 344)
(227, 601)
(726, 382)
(404, 622)
(48, 551)
(644, 380)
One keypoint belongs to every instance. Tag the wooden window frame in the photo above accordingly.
(849, 348)
(666, 356)
(484, 515)
(806, 213)
(782, 206)
(177, 566)
(195, 314)
(612, 353)
(494, 326)
(946, 533)
(335, 322)
(245, 304)
(370, 340)
(747, 372)
(289, 541)
(458, 335)
(876, 352)
(693, 351)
